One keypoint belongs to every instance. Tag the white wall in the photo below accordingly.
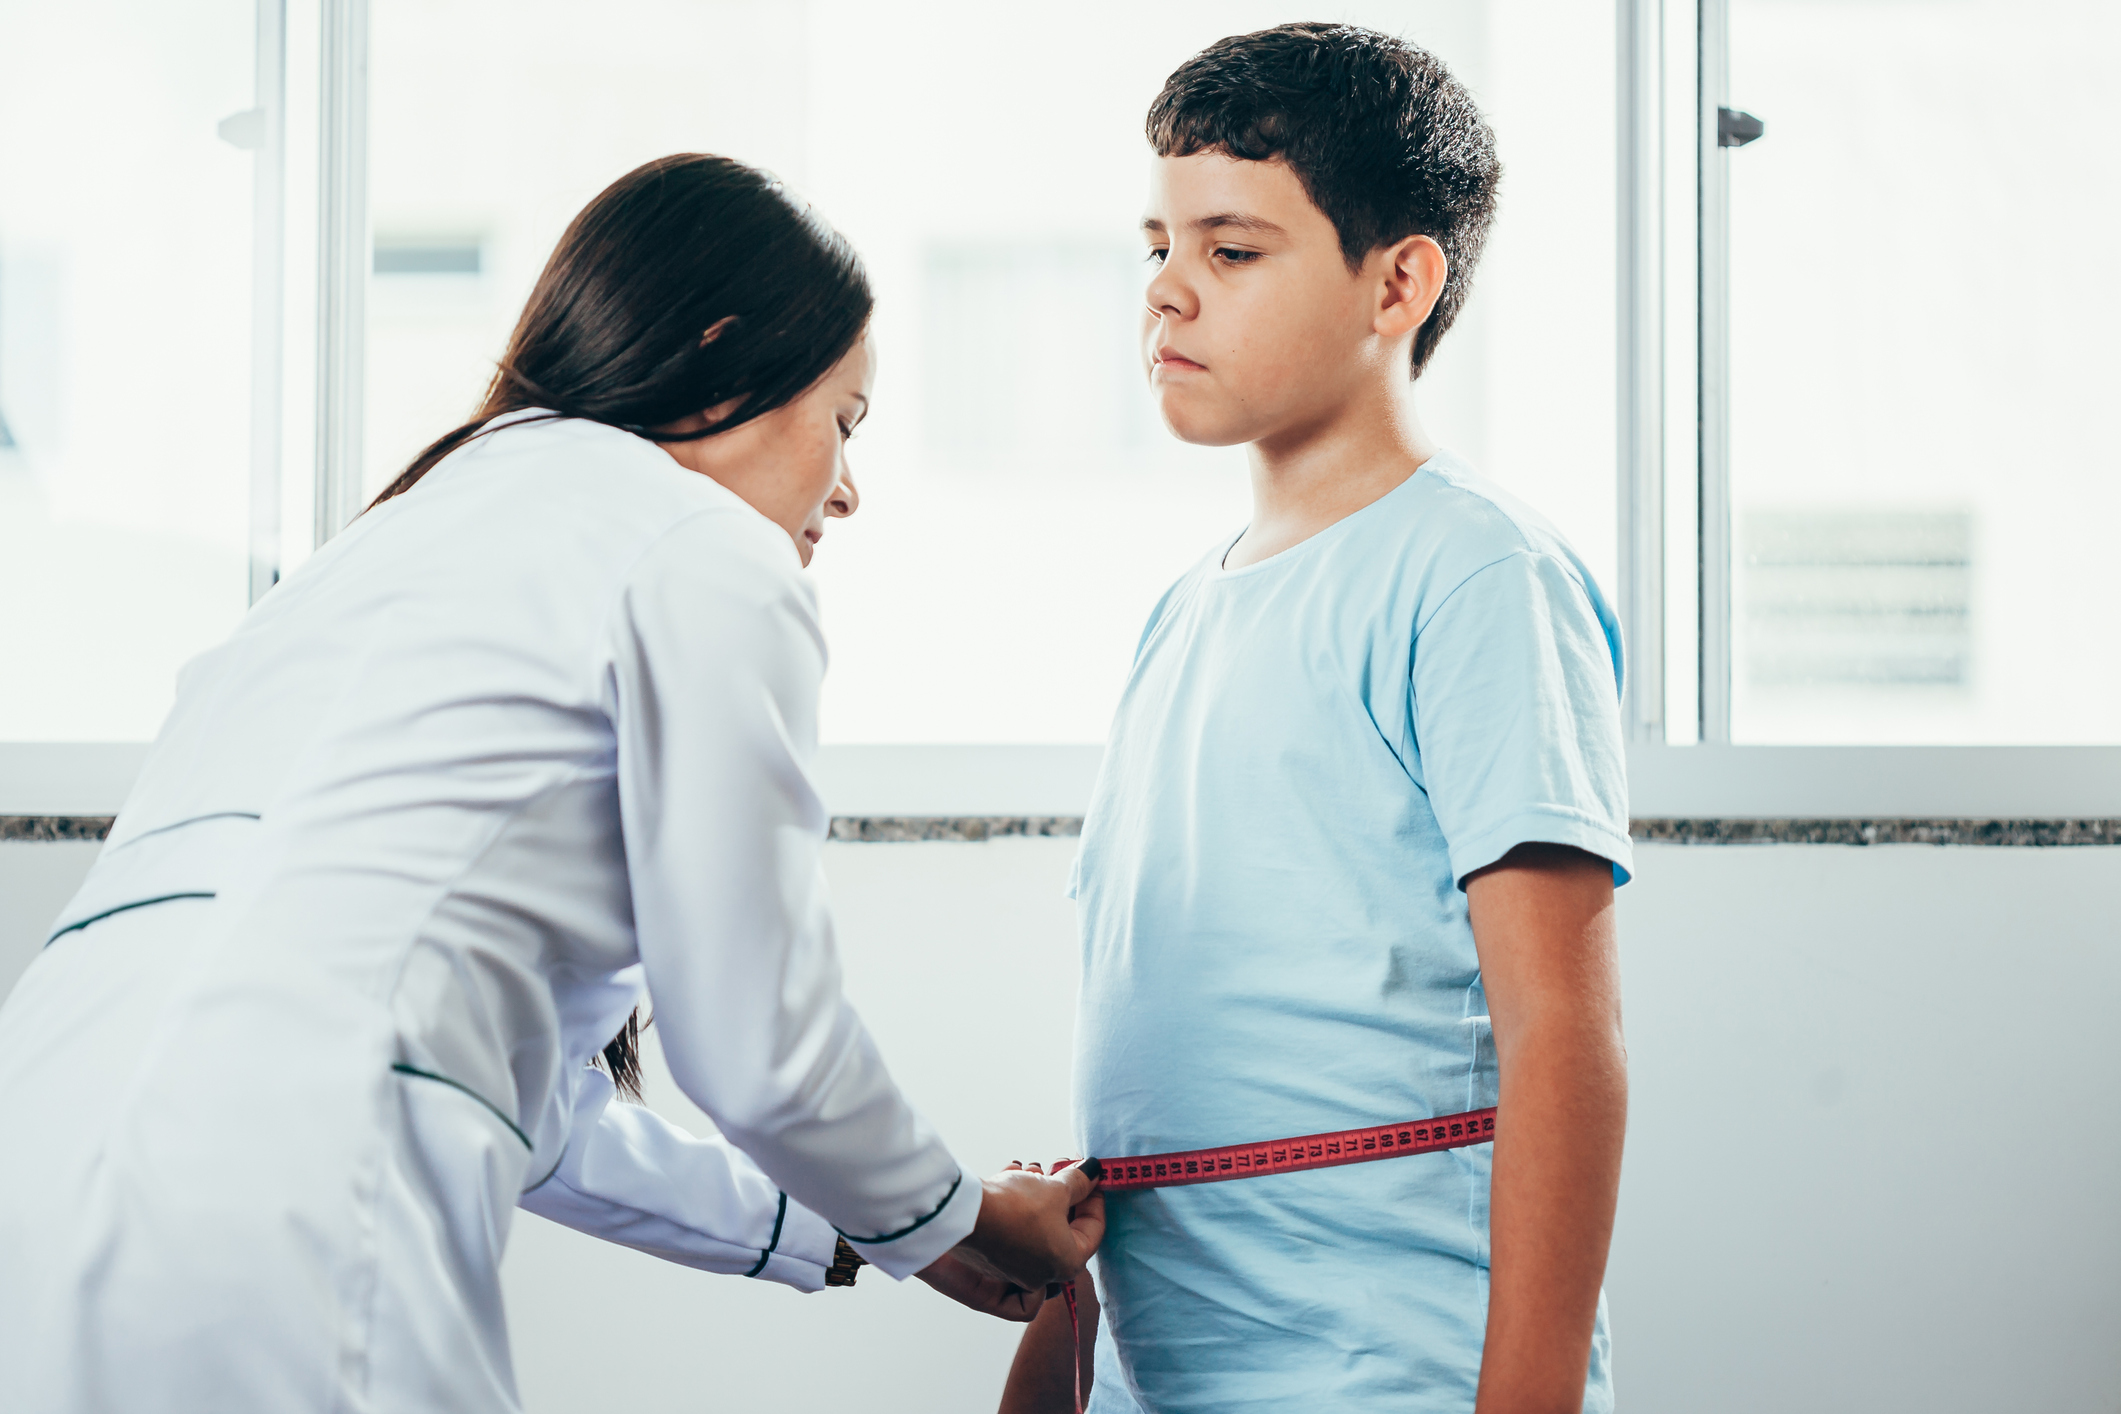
(36, 880)
(1872, 1161)
(1874, 1148)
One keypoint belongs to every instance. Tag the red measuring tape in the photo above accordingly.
(1310, 1151)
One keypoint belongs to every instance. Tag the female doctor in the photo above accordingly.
(530, 740)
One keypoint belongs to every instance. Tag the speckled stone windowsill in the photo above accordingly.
(900, 829)
(52, 829)
(2012, 834)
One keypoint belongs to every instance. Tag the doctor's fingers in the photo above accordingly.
(984, 1291)
(1086, 1224)
(1024, 1229)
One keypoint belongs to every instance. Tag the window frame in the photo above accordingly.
(1710, 776)
(1706, 778)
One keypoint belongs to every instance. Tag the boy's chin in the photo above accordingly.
(1200, 427)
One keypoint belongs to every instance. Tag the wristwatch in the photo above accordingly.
(845, 1263)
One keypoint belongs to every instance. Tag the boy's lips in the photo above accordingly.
(1172, 358)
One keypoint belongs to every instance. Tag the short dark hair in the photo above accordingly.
(1386, 143)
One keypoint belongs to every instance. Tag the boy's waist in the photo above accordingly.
(1299, 1237)
(1156, 1087)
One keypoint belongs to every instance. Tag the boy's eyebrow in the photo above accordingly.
(1238, 221)
(1221, 220)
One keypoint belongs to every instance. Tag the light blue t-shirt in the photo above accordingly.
(1312, 754)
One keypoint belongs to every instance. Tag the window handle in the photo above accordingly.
(1735, 127)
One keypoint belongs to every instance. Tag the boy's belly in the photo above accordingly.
(1351, 1288)
(1199, 1039)
(1361, 1287)
(1355, 1287)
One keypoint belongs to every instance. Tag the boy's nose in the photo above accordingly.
(1169, 296)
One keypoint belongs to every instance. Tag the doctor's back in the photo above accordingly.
(523, 746)
(436, 696)
(377, 843)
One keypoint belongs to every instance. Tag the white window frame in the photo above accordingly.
(1709, 778)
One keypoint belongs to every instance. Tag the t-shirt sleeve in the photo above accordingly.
(1517, 716)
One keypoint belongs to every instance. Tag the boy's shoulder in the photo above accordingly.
(1467, 522)
(1447, 524)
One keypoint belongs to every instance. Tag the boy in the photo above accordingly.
(1364, 791)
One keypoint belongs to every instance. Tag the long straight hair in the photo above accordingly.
(691, 282)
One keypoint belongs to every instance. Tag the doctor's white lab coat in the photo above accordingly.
(516, 748)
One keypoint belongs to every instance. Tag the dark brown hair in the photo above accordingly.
(621, 1057)
(1386, 143)
(616, 329)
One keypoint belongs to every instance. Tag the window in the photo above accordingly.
(1022, 506)
(127, 533)
(1921, 486)
(251, 262)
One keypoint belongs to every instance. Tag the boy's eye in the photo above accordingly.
(846, 430)
(1157, 253)
(1236, 257)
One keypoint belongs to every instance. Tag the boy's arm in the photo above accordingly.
(1543, 924)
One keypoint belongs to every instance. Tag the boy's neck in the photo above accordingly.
(1310, 475)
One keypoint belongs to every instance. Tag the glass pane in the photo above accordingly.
(1022, 507)
(125, 258)
(1922, 301)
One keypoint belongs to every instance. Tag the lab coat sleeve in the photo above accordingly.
(717, 660)
(630, 1176)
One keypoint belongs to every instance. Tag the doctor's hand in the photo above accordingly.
(1033, 1230)
(984, 1290)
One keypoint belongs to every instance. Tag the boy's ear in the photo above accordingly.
(1412, 275)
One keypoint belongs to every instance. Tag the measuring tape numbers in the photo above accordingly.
(1311, 1151)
